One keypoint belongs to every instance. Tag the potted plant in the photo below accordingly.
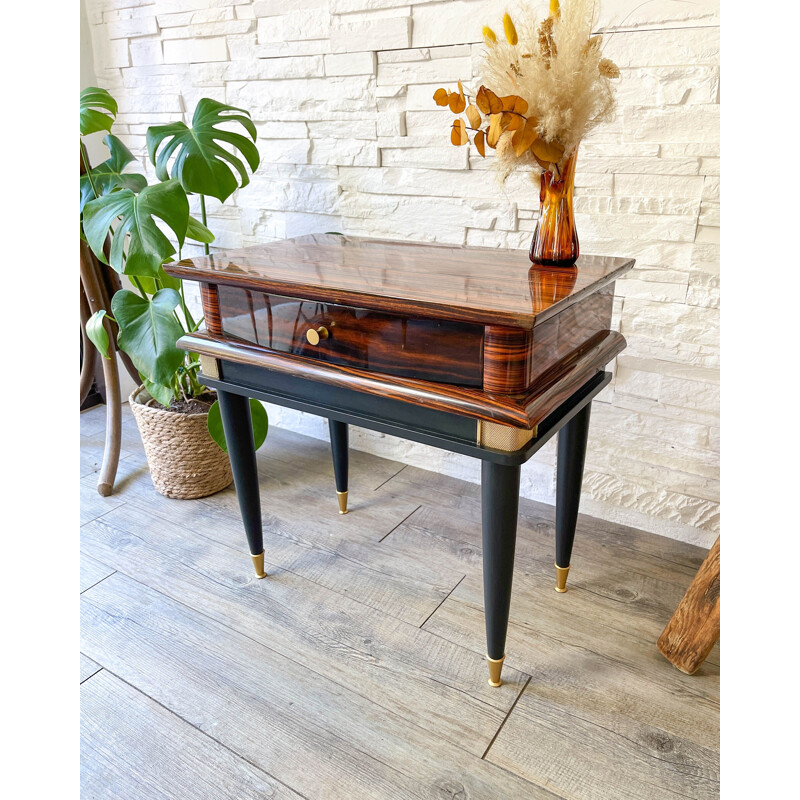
(119, 210)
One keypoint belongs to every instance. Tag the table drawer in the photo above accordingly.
(427, 349)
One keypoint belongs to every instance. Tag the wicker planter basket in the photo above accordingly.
(185, 462)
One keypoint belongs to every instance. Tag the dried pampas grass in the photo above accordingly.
(553, 66)
(558, 68)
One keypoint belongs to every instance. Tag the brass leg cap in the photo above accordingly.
(342, 498)
(495, 668)
(258, 563)
(561, 578)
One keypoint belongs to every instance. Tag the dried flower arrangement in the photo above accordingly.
(550, 85)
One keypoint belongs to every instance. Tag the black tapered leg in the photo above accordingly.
(341, 460)
(499, 505)
(571, 457)
(238, 427)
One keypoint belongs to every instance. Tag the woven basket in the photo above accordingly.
(185, 462)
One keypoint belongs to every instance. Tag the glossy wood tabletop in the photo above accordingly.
(469, 284)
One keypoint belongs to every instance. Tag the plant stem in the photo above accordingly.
(189, 318)
(85, 159)
(137, 283)
(197, 387)
(204, 220)
(177, 387)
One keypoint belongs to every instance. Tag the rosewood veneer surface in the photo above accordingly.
(483, 285)
(429, 349)
(470, 330)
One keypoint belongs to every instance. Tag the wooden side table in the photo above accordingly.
(467, 349)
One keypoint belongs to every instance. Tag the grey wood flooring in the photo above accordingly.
(356, 669)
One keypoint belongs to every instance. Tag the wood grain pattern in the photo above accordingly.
(437, 686)
(625, 582)
(693, 629)
(131, 747)
(323, 683)
(523, 411)
(539, 322)
(558, 338)
(481, 285)
(506, 359)
(618, 746)
(92, 572)
(626, 594)
(460, 619)
(88, 668)
(209, 294)
(610, 718)
(513, 356)
(515, 359)
(426, 349)
(323, 546)
(320, 738)
(557, 383)
(385, 580)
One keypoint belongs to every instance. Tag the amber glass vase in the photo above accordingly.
(555, 242)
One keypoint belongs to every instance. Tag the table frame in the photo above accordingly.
(500, 470)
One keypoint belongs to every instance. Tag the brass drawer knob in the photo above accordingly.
(316, 336)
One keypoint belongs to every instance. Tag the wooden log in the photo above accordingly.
(694, 627)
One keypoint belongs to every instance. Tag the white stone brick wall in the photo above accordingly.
(350, 140)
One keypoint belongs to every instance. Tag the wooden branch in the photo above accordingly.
(694, 627)
(90, 280)
(89, 352)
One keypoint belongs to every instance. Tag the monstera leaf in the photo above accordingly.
(148, 330)
(148, 247)
(202, 164)
(198, 232)
(163, 394)
(258, 416)
(92, 120)
(97, 333)
(164, 282)
(109, 175)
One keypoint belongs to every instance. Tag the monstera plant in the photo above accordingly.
(136, 227)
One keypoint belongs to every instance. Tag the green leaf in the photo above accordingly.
(198, 232)
(148, 331)
(97, 333)
(109, 175)
(201, 164)
(158, 391)
(93, 120)
(169, 281)
(147, 247)
(260, 422)
(258, 415)
(215, 429)
(166, 282)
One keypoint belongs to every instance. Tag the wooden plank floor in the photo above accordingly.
(356, 669)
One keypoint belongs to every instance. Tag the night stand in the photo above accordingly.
(467, 349)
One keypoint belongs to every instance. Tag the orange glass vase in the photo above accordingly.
(555, 242)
